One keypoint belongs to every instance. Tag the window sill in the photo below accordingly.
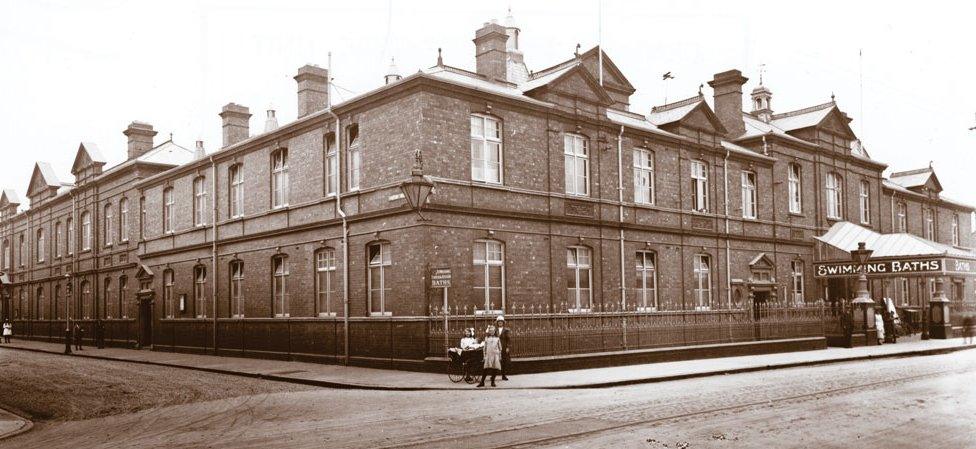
(703, 308)
(488, 312)
(279, 315)
(580, 310)
(797, 214)
(380, 314)
(327, 314)
(647, 309)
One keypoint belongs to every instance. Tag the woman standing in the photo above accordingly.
(493, 356)
(8, 330)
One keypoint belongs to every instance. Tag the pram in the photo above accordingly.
(465, 364)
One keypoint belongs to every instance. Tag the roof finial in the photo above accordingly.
(170, 136)
(930, 165)
(577, 53)
(762, 70)
(440, 60)
(700, 87)
(832, 97)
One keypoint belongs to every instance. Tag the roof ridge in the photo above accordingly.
(554, 68)
(914, 171)
(806, 110)
(677, 104)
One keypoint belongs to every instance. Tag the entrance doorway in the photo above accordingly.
(145, 321)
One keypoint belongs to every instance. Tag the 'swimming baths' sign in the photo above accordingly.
(889, 267)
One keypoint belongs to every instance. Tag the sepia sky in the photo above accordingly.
(73, 71)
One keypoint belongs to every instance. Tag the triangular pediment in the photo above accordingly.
(144, 272)
(612, 76)
(87, 155)
(42, 179)
(9, 198)
(837, 122)
(702, 117)
(761, 262)
(576, 83)
(692, 112)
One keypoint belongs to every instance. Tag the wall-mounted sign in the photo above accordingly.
(960, 266)
(440, 278)
(879, 268)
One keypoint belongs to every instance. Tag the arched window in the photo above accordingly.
(902, 217)
(795, 187)
(864, 201)
(703, 282)
(142, 217)
(646, 281)
(489, 275)
(579, 265)
(928, 221)
(955, 230)
(108, 308)
(86, 231)
(87, 305)
(699, 186)
(200, 201)
(643, 176)
(279, 178)
(6, 254)
(354, 160)
(108, 219)
(486, 149)
(331, 165)
(379, 257)
(56, 303)
(169, 305)
(749, 194)
(70, 241)
(797, 275)
(39, 300)
(237, 289)
(325, 282)
(835, 196)
(22, 251)
(124, 220)
(123, 305)
(40, 245)
(200, 291)
(576, 164)
(235, 193)
(57, 239)
(168, 202)
(279, 280)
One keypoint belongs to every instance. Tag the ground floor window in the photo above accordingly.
(87, 305)
(107, 305)
(579, 279)
(703, 282)
(489, 275)
(379, 286)
(646, 282)
(169, 307)
(325, 288)
(279, 267)
(797, 277)
(237, 289)
(200, 291)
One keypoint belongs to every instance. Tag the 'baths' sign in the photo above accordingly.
(878, 268)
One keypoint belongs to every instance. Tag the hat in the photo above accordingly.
(500, 318)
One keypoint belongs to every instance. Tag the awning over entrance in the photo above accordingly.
(894, 254)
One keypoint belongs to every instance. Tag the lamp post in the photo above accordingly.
(863, 305)
(67, 313)
(418, 188)
(938, 317)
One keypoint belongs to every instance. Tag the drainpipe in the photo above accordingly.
(620, 208)
(213, 247)
(728, 249)
(345, 240)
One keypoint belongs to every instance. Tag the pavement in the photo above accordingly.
(349, 377)
(11, 424)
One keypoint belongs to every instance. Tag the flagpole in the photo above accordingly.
(599, 38)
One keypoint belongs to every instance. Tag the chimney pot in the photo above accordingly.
(271, 123)
(140, 138)
(199, 152)
(313, 89)
(236, 123)
(727, 87)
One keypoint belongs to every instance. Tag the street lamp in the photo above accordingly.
(863, 305)
(938, 318)
(418, 188)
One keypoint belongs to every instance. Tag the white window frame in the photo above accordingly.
(6, 254)
(123, 290)
(107, 298)
(40, 245)
(955, 230)
(796, 268)
(378, 266)
(200, 291)
(580, 267)
(235, 173)
(279, 281)
(200, 201)
(576, 152)
(124, 220)
(58, 236)
(749, 198)
(331, 165)
(237, 288)
(928, 223)
(646, 278)
(489, 255)
(485, 144)
(279, 178)
(168, 202)
(168, 281)
(902, 216)
(87, 303)
(354, 159)
(864, 196)
(703, 282)
(86, 231)
(107, 217)
(835, 196)
(70, 241)
(325, 268)
(21, 254)
(643, 176)
(795, 188)
(699, 185)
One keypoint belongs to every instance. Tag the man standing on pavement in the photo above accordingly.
(99, 334)
(77, 336)
(505, 336)
(67, 338)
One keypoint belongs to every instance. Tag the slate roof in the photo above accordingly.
(845, 236)
(673, 112)
(803, 118)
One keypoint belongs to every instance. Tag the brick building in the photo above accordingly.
(552, 198)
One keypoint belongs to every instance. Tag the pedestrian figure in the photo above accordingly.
(505, 336)
(967, 330)
(67, 338)
(880, 325)
(493, 356)
(99, 334)
(77, 336)
(8, 331)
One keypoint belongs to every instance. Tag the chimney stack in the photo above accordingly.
(727, 87)
(313, 89)
(140, 138)
(236, 123)
(199, 152)
(490, 43)
(392, 74)
(271, 123)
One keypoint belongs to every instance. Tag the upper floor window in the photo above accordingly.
(86, 231)
(168, 202)
(40, 245)
(124, 220)
(235, 193)
(279, 274)
(87, 304)
(928, 221)
(864, 196)
(643, 176)
(703, 282)
(6, 254)
(795, 187)
(486, 149)
(489, 274)
(22, 251)
(955, 230)
(169, 307)
(354, 162)
(57, 239)
(200, 290)
(576, 153)
(70, 241)
(237, 288)
(200, 201)
(331, 165)
(646, 281)
(579, 279)
(109, 219)
(835, 196)
(325, 283)
(902, 217)
(379, 285)
(699, 186)
(142, 217)
(279, 178)
(748, 194)
(797, 275)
